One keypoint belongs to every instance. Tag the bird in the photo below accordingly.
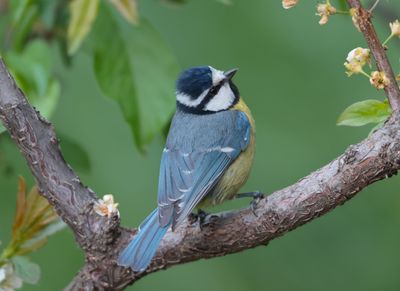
(207, 158)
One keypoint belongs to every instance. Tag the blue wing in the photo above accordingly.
(186, 177)
(190, 167)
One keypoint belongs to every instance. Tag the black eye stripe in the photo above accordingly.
(211, 93)
(200, 109)
(214, 90)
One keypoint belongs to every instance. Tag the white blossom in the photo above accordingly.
(360, 55)
(379, 80)
(106, 206)
(324, 10)
(9, 281)
(356, 59)
(395, 28)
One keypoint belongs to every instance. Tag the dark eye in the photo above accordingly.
(214, 90)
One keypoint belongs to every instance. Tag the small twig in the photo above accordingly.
(374, 6)
(58, 183)
(364, 22)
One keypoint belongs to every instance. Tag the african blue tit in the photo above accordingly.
(207, 157)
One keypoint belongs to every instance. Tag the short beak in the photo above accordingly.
(229, 74)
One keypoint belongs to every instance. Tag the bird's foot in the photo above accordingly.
(192, 218)
(257, 196)
(200, 216)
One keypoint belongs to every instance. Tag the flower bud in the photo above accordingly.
(356, 59)
(354, 17)
(360, 55)
(379, 80)
(395, 28)
(353, 68)
(8, 277)
(289, 3)
(106, 206)
(325, 10)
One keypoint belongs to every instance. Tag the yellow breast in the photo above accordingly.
(238, 172)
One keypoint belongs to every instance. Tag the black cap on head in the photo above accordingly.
(194, 81)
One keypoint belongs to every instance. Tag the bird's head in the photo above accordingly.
(203, 90)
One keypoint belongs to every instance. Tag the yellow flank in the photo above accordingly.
(238, 172)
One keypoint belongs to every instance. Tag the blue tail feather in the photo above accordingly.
(142, 248)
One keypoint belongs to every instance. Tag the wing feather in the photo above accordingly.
(187, 176)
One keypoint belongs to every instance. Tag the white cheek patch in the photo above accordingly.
(188, 101)
(217, 76)
(223, 100)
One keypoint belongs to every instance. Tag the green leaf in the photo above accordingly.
(29, 272)
(25, 13)
(74, 154)
(128, 9)
(40, 239)
(19, 9)
(83, 14)
(51, 229)
(137, 70)
(364, 112)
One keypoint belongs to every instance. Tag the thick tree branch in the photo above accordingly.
(375, 158)
(382, 62)
(38, 143)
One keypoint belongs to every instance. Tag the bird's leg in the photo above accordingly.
(254, 195)
(257, 196)
(202, 217)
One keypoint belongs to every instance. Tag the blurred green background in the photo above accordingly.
(292, 77)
